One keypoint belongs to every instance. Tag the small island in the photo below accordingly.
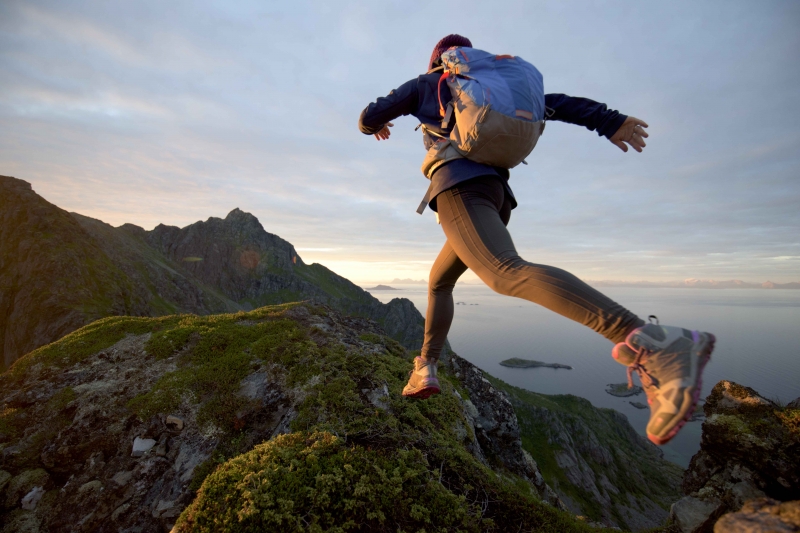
(638, 405)
(516, 362)
(621, 390)
(382, 288)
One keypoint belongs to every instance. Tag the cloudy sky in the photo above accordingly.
(171, 112)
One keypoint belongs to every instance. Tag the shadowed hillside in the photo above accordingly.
(60, 271)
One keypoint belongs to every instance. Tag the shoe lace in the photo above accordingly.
(638, 366)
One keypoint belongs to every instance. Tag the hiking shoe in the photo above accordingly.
(422, 382)
(670, 364)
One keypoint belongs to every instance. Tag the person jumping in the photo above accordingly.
(473, 202)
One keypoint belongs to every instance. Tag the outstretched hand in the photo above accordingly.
(384, 133)
(631, 132)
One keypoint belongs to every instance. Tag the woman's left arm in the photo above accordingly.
(595, 116)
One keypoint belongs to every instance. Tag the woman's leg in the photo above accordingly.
(445, 272)
(471, 218)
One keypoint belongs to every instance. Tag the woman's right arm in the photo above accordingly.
(399, 102)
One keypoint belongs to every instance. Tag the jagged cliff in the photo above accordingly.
(60, 271)
(750, 452)
(595, 461)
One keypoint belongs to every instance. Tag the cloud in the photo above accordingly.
(149, 112)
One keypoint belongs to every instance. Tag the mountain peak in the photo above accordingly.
(10, 182)
(237, 213)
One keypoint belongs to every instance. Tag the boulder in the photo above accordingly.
(693, 515)
(762, 515)
(750, 450)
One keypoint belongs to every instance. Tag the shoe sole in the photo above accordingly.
(424, 393)
(705, 357)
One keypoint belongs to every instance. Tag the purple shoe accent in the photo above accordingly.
(705, 357)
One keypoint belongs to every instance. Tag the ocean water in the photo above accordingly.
(758, 343)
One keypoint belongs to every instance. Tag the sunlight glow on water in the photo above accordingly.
(758, 343)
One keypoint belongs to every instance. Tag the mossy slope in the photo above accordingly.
(326, 443)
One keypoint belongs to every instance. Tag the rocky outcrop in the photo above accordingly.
(492, 419)
(762, 515)
(116, 426)
(750, 449)
(60, 271)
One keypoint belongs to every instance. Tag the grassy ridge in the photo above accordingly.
(348, 464)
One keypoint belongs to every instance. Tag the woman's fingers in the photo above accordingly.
(384, 132)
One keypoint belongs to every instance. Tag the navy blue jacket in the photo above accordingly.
(418, 97)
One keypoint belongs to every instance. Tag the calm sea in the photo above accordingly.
(758, 343)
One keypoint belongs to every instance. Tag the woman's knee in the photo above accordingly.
(441, 286)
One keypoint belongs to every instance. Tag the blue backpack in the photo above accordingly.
(498, 105)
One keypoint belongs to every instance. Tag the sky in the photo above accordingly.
(155, 112)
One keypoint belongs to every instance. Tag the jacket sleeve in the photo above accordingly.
(401, 101)
(584, 112)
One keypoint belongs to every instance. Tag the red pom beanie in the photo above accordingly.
(447, 42)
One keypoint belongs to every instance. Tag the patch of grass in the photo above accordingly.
(86, 341)
(211, 372)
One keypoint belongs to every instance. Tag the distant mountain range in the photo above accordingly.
(60, 271)
(686, 284)
(696, 284)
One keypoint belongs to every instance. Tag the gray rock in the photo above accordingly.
(122, 478)
(379, 396)
(90, 486)
(5, 477)
(22, 484)
(119, 511)
(30, 500)
(692, 515)
(141, 446)
(22, 521)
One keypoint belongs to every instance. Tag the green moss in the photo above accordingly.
(397, 455)
(350, 488)
(86, 341)
(211, 372)
(164, 343)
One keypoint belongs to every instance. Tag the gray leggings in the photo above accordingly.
(474, 215)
